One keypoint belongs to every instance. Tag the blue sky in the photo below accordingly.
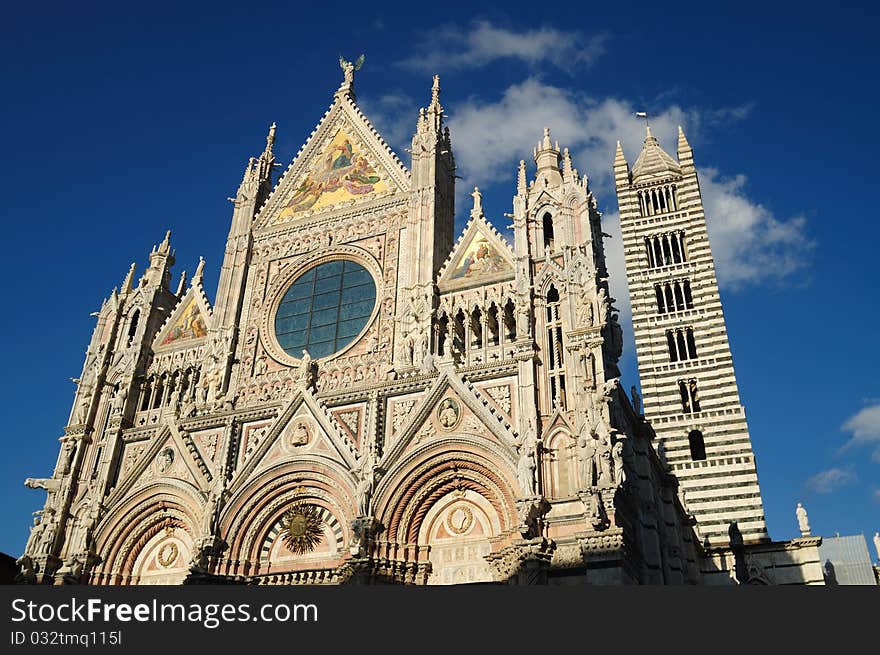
(121, 122)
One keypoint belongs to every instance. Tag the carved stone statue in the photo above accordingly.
(525, 468)
(366, 476)
(27, 570)
(877, 544)
(617, 460)
(119, 401)
(85, 524)
(586, 453)
(304, 372)
(604, 305)
(68, 449)
(803, 522)
(584, 309)
(603, 462)
(615, 338)
(419, 347)
(349, 68)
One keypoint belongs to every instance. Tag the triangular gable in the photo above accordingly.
(419, 418)
(144, 462)
(344, 161)
(481, 256)
(188, 324)
(318, 435)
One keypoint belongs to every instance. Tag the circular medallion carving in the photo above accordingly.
(165, 460)
(448, 414)
(300, 433)
(167, 555)
(460, 519)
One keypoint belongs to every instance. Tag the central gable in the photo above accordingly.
(344, 162)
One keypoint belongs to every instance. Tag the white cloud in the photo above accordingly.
(454, 47)
(825, 482)
(748, 241)
(864, 426)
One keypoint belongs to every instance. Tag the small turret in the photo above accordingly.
(161, 261)
(547, 159)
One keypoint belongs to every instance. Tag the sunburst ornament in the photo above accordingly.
(302, 527)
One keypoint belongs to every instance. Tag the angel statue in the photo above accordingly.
(349, 68)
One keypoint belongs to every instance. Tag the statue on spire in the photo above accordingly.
(348, 69)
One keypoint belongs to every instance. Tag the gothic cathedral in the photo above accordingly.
(371, 399)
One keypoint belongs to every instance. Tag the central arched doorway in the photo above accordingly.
(457, 528)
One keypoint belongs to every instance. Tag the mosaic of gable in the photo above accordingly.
(342, 172)
(189, 325)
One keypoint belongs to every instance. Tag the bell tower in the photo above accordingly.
(685, 366)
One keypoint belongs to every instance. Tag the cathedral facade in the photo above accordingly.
(371, 399)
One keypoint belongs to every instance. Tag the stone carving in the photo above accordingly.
(27, 570)
(425, 432)
(301, 434)
(167, 554)
(448, 414)
(603, 304)
(617, 460)
(586, 458)
(399, 412)
(604, 465)
(615, 338)
(877, 544)
(165, 460)
(527, 462)
(459, 519)
(366, 478)
(584, 309)
(349, 68)
(49, 484)
(305, 375)
(501, 395)
(82, 535)
(803, 522)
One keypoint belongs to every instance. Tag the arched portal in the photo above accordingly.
(164, 559)
(457, 529)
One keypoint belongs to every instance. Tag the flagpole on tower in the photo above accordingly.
(643, 114)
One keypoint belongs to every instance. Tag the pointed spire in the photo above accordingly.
(270, 138)
(435, 93)
(653, 160)
(521, 178)
(200, 271)
(477, 211)
(684, 150)
(165, 246)
(567, 172)
(126, 283)
(181, 285)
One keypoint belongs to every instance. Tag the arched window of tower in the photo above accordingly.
(548, 232)
(132, 326)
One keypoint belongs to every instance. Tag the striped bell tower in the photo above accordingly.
(685, 366)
